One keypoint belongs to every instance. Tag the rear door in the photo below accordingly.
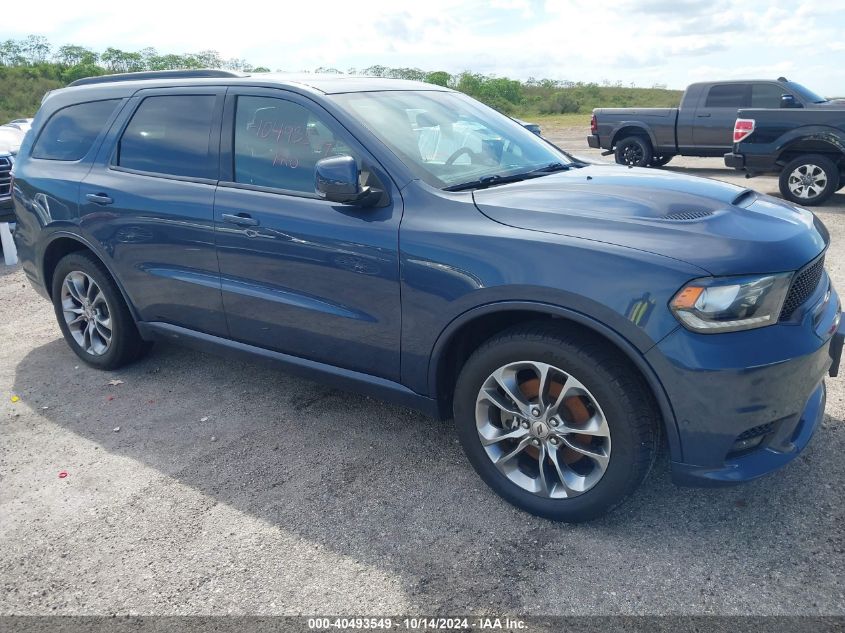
(149, 201)
(716, 114)
(302, 275)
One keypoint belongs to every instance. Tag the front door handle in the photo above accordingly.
(703, 116)
(99, 198)
(241, 219)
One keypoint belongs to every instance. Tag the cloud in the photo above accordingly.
(646, 41)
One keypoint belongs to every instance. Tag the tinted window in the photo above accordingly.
(278, 143)
(727, 96)
(71, 131)
(171, 135)
(766, 95)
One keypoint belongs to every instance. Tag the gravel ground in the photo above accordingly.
(234, 488)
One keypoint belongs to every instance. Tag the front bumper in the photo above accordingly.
(7, 210)
(594, 141)
(747, 403)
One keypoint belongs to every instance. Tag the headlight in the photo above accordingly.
(729, 304)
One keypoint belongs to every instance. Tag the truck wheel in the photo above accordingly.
(660, 160)
(634, 151)
(809, 180)
(537, 409)
(92, 314)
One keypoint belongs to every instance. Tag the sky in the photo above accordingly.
(644, 42)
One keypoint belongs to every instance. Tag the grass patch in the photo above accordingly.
(577, 119)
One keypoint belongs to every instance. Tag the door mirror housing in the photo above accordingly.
(336, 180)
(789, 101)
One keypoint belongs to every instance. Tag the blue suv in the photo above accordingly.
(404, 240)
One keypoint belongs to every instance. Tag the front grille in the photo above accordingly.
(756, 431)
(5, 177)
(804, 284)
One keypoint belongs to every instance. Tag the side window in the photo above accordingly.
(727, 96)
(71, 131)
(171, 135)
(278, 143)
(766, 95)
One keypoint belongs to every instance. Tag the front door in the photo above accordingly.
(301, 275)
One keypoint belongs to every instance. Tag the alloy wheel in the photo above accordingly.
(86, 313)
(632, 154)
(542, 429)
(807, 181)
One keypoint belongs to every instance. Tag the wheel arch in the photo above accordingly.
(466, 332)
(632, 129)
(819, 141)
(62, 244)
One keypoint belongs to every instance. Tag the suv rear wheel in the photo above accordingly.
(634, 151)
(558, 425)
(809, 180)
(92, 314)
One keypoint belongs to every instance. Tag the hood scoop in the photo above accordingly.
(683, 216)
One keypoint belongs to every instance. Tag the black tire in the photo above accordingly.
(623, 395)
(126, 344)
(816, 166)
(634, 151)
(660, 160)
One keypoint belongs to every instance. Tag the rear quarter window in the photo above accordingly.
(71, 131)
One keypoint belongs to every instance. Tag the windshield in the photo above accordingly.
(805, 93)
(448, 139)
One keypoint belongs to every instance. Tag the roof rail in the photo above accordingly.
(156, 74)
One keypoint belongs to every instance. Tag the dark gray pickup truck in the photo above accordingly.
(702, 126)
(806, 146)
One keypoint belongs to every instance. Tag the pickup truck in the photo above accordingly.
(806, 146)
(701, 126)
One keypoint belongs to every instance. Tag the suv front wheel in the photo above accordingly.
(559, 425)
(92, 314)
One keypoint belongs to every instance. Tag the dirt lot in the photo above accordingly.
(233, 488)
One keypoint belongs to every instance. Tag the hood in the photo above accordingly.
(721, 228)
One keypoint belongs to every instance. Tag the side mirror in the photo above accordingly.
(336, 180)
(788, 101)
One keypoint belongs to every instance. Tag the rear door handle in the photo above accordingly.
(703, 116)
(99, 198)
(241, 219)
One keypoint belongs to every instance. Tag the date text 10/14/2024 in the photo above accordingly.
(418, 623)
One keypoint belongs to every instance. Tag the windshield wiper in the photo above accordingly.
(552, 167)
(497, 179)
(489, 181)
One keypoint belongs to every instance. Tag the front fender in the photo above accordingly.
(624, 344)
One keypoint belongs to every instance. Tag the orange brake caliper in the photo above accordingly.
(577, 412)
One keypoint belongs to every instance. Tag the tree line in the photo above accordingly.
(31, 66)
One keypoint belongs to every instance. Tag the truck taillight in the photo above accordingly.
(594, 126)
(743, 129)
